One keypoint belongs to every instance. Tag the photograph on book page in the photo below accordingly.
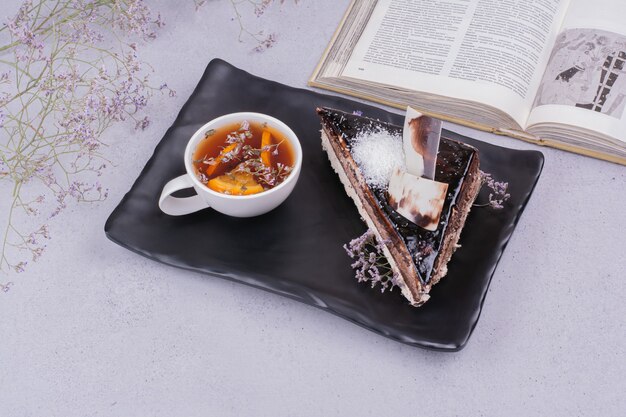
(587, 70)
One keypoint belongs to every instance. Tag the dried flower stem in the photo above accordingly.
(259, 6)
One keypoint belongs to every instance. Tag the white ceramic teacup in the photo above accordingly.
(232, 205)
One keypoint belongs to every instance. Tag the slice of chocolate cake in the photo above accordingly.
(358, 148)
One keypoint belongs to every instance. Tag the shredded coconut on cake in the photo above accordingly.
(377, 153)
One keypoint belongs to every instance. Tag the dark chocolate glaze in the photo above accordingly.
(453, 161)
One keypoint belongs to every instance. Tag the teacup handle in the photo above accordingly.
(175, 206)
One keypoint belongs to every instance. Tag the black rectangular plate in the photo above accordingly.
(296, 250)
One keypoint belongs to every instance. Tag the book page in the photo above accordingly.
(585, 81)
(489, 51)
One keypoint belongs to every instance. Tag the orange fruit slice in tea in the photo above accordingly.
(211, 168)
(266, 140)
(235, 183)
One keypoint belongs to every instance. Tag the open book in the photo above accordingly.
(551, 72)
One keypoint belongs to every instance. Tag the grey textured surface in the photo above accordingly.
(94, 330)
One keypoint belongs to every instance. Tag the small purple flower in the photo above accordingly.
(20, 267)
(142, 124)
(266, 43)
(498, 195)
(370, 262)
(37, 252)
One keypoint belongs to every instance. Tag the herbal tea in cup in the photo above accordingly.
(243, 158)
(240, 164)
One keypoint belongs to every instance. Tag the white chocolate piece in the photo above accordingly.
(418, 199)
(421, 136)
(414, 161)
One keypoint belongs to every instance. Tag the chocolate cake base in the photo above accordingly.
(419, 257)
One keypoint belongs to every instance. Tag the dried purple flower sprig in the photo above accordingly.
(499, 192)
(370, 262)
(6, 287)
(69, 69)
(259, 7)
